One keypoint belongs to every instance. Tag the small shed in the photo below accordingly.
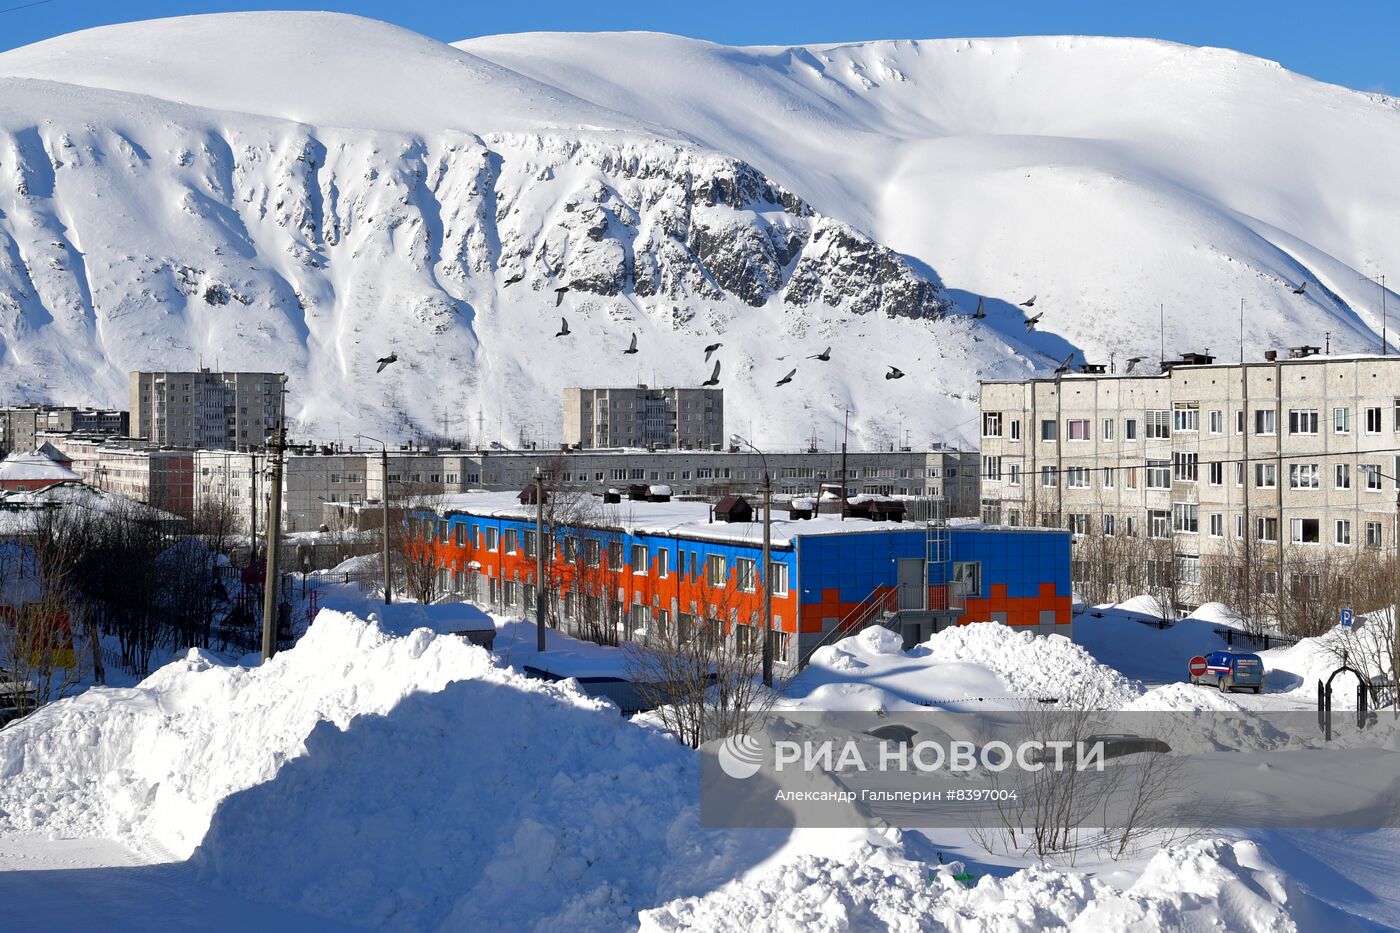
(612, 497)
(802, 507)
(877, 510)
(658, 493)
(527, 495)
(734, 509)
(637, 492)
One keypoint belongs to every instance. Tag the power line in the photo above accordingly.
(25, 6)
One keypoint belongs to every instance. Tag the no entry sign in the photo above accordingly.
(1197, 666)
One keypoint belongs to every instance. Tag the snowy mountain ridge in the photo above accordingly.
(169, 197)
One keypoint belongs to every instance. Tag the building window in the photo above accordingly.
(1132, 477)
(1188, 569)
(1302, 421)
(459, 535)
(1217, 473)
(1077, 477)
(1109, 525)
(1013, 475)
(1373, 421)
(1108, 478)
(512, 540)
(1015, 429)
(1159, 424)
(991, 468)
(1159, 474)
(1302, 476)
(1343, 532)
(1372, 472)
(615, 555)
(1341, 478)
(530, 544)
(640, 564)
(492, 539)
(1217, 525)
(744, 574)
(1265, 475)
(1266, 529)
(592, 552)
(780, 578)
(1373, 534)
(1049, 430)
(571, 550)
(715, 573)
(1186, 467)
(1186, 416)
(1158, 523)
(1217, 422)
(1130, 429)
(1047, 476)
(1077, 429)
(1264, 422)
(1186, 517)
(1341, 421)
(663, 564)
(991, 424)
(1078, 524)
(1108, 429)
(1303, 531)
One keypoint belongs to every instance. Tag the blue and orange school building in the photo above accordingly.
(638, 564)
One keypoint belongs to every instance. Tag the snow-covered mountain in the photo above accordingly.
(310, 191)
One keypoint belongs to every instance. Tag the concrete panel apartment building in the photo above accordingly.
(1268, 462)
(205, 409)
(638, 416)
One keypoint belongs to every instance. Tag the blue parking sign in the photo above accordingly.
(1348, 617)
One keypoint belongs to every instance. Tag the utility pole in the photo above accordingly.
(540, 590)
(253, 505)
(767, 578)
(271, 577)
(845, 439)
(384, 514)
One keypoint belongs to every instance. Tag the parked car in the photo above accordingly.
(1228, 670)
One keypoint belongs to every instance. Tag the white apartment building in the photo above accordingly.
(209, 410)
(1283, 456)
(638, 416)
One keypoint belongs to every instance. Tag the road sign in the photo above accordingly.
(1348, 617)
(1197, 666)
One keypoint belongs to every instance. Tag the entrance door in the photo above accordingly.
(911, 583)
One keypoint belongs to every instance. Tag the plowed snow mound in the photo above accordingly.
(1035, 666)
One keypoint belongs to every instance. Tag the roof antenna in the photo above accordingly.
(1241, 331)
(1162, 330)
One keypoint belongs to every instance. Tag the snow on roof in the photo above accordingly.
(683, 519)
(14, 520)
(53, 453)
(34, 466)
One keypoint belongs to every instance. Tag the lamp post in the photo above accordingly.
(540, 590)
(384, 513)
(767, 564)
(272, 575)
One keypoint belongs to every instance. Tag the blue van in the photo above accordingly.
(1228, 670)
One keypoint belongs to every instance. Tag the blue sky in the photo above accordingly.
(1351, 43)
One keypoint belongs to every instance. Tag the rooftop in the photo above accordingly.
(34, 466)
(1147, 372)
(684, 519)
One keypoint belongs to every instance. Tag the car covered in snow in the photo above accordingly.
(1230, 669)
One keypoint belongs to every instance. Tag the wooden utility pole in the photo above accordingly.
(767, 579)
(384, 514)
(539, 561)
(271, 577)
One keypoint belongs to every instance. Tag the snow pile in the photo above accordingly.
(1213, 885)
(152, 763)
(1035, 666)
(1182, 698)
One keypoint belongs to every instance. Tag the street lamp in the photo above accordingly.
(384, 511)
(767, 565)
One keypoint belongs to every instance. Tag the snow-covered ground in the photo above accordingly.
(402, 779)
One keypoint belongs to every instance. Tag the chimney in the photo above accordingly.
(1270, 355)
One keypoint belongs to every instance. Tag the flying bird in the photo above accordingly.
(633, 347)
(559, 295)
(1064, 367)
(1029, 302)
(386, 360)
(563, 327)
(824, 356)
(514, 278)
(894, 374)
(1131, 363)
(1301, 288)
(711, 349)
(1032, 321)
(981, 311)
(786, 379)
(714, 377)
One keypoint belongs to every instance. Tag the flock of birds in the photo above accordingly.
(825, 356)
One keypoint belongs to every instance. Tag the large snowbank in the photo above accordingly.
(151, 763)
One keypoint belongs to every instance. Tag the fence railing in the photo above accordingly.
(1253, 639)
(874, 608)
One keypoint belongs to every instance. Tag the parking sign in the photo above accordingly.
(1348, 617)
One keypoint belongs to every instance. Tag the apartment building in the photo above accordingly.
(638, 416)
(206, 409)
(1251, 461)
(20, 425)
(162, 477)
